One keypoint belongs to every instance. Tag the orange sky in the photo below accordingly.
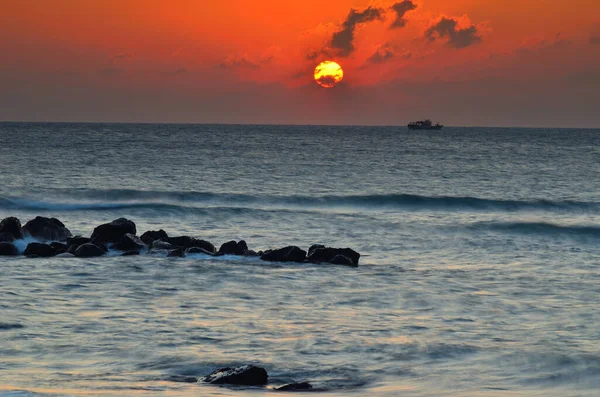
(465, 62)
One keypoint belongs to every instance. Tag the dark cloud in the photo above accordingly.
(328, 81)
(383, 54)
(401, 9)
(238, 62)
(343, 40)
(457, 38)
(312, 55)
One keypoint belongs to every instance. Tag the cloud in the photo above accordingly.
(343, 40)
(312, 55)
(401, 9)
(235, 62)
(383, 54)
(448, 28)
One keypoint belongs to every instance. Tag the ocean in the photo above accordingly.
(479, 272)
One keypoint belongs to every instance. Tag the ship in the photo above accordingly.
(424, 125)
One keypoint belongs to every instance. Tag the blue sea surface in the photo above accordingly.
(479, 274)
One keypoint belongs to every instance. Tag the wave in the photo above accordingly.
(541, 228)
(125, 199)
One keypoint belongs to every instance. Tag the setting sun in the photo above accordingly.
(328, 74)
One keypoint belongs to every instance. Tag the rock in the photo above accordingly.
(198, 250)
(327, 254)
(342, 260)
(59, 248)
(11, 226)
(114, 231)
(248, 375)
(287, 254)
(131, 253)
(46, 229)
(153, 251)
(72, 248)
(300, 386)
(150, 236)
(130, 242)
(313, 248)
(39, 250)
(65, 255)
(176, 253)
(233, 248)
(89, 250)
(251, 253)
(6, 237)
(100, 244)
(186, 242)
(77, 240)
(8, 249)
(161, 245)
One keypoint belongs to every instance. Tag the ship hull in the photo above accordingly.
(422, 127)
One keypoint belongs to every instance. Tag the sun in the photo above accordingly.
(328, 74)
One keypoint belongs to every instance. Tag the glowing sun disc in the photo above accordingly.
(328, 74)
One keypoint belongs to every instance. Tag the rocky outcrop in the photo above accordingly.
(186, 242)
(320, 254)
(161, 245)
(131, 253)
(11, 226)
(287, 254)
(300, 386)
(248, 375)
(176, 253)
(6, 237)
(130, 242)
(233, 248)
(89, 250)
(39, 250)
(59, 248)
(150, 236)
(46, 229)
(77, 240)
(114, 231)
(198, 250)
(8, 249)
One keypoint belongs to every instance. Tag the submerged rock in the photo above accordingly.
(321, 254)
(150, 236)
(186, 242)
(161, 245)
(248, 375)
(12, 226)
(300, 386)
(46, 229)
(233, 248)
(287, 254)
(130, 242)
(39, 250)
(8, 249)
(114, 231)
(176, 253)
(198, 250)
(65, 255)
(342, 260)
(89, 250)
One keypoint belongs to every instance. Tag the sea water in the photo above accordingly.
(479, 274)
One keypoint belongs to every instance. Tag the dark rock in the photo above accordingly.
(176, 253)
(113, 232)
(161, 245)
(100, 244)
(131, 253)
(65, 255)
(251, 253)
(11, 226)
(186, 242)
(150, 236)
(130, 242)
(78, 240)
(248, 375)
(327, 254)
(233, 248)
(72, 248)
(39, 250)
(153, 251)
(287, 254)
(89, 250)
(342, 260)
(301, 386)
(6, 237)
(8, 249)
(46, 229)
(59, 248)
(198, 250)
(313, 248)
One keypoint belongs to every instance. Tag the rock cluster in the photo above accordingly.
(54, 239)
